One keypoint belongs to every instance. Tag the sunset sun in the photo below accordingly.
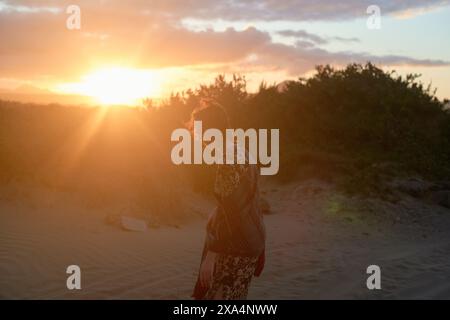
(116, 86)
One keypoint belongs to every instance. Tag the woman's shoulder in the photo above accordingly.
(229, 176)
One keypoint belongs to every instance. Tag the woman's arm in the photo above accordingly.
(207, 269)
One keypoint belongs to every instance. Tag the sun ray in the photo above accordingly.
(74, 148)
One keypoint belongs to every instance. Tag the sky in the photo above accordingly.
(127, 50)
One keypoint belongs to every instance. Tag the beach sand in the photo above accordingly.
(319, 245)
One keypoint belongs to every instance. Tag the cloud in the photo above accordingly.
(42, 45)
(303, 57)
(313, 38)
(149, 34)
(345, 39)
(304, 35)
(305, 10)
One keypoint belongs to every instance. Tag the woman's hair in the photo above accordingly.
(211, 114)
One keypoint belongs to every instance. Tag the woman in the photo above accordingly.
(235, 233)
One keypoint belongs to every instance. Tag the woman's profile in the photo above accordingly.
(234, 249)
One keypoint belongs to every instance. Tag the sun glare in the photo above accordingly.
(116, 86)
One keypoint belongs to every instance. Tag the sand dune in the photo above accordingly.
(319, 246)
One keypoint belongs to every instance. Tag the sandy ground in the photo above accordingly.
(319, 246)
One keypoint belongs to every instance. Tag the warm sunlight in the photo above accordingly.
(116, 86)
(271, 150)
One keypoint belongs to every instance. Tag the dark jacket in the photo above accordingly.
(237, 227)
